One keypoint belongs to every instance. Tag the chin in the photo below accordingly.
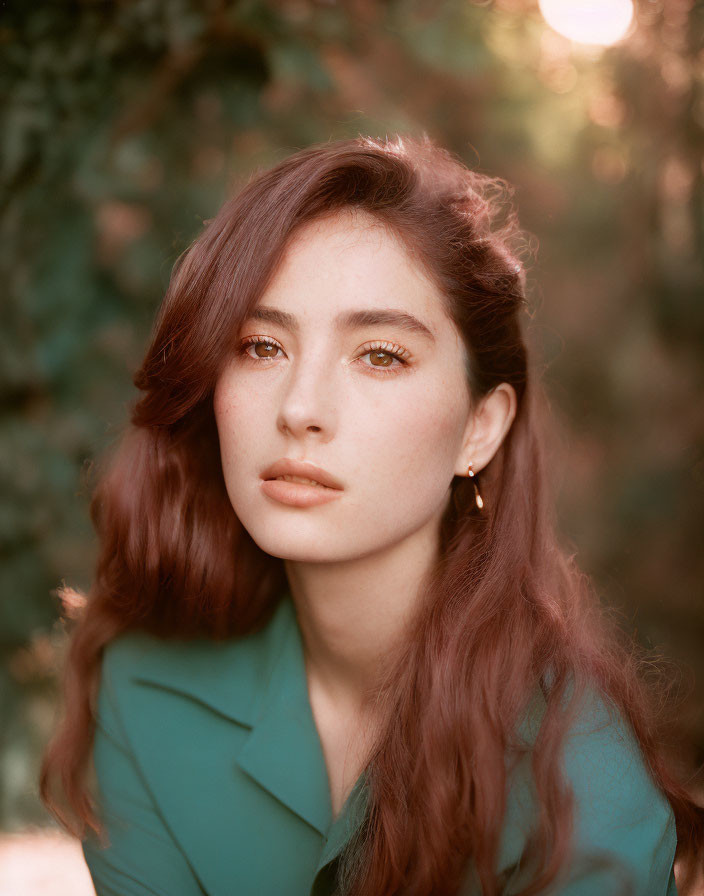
(298, 553)
(291, 540)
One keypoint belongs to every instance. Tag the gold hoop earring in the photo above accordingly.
(477, 496)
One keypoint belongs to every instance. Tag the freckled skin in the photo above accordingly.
(393, 435)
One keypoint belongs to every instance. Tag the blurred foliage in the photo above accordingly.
(126, 124)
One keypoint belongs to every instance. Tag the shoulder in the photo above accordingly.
(606, 768)
(131, 651)
(139, 668)
(623, 825)
(137, 654)
(601, 756)
(619, 807)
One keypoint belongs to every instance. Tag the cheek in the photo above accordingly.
(228, 396)
(235, 401)
(419, 440)
(236, 417)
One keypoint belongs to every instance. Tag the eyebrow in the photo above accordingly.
(349, 320)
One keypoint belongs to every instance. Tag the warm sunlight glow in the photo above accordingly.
(600, 22)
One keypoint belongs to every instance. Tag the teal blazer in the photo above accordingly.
(211, 780)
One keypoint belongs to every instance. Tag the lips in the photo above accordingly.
(304, 469)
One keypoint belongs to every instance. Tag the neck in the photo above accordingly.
(352, 614)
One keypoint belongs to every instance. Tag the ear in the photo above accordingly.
(487, 425)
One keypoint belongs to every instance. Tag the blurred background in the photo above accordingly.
(124, 126)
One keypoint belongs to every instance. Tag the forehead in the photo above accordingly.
(351, 260)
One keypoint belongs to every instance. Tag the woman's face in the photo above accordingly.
(381, 406)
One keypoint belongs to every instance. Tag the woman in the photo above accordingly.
(332, 644)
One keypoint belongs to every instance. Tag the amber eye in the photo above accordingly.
(384, 357)
(265, 349)
(391, 359)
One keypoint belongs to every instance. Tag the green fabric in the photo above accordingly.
(212, 780)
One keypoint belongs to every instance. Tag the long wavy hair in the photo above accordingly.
(505, 609)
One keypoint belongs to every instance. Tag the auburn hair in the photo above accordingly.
(505, 611)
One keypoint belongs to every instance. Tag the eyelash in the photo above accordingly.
(395, 351)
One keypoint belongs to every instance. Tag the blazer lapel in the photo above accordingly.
(283, 751)
(225, 738)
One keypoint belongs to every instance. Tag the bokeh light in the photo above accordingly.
(601, 22)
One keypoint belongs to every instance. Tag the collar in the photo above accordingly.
(259, 681)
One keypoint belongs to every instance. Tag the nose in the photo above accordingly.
(310, 396)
